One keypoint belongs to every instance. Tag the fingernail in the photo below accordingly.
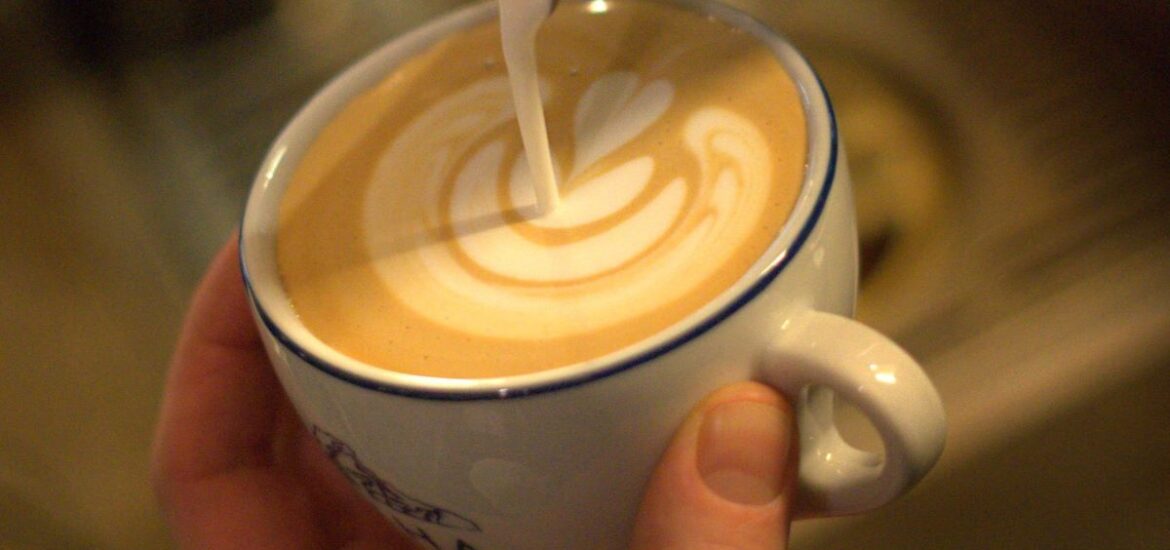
(742, 449)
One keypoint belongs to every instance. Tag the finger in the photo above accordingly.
(221, 398)
(725, 481)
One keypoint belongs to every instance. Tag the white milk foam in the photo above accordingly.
(473, 250)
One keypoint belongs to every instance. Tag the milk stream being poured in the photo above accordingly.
(519, 20)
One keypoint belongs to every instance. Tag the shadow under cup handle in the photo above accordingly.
(817, 355)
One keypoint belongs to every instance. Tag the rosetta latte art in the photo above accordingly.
(409, 238)
(450, 216)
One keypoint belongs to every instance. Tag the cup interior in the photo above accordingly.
(275, 312)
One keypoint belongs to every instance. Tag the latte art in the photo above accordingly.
(622, 243)
(410, 237)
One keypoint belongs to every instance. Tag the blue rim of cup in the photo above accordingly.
(432, 388)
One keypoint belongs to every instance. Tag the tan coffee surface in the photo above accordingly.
(408, 237)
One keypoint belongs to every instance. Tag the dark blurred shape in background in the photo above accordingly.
(108, 32)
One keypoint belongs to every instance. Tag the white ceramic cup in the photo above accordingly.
(558, 459)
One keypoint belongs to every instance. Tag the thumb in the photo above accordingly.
(725, 481)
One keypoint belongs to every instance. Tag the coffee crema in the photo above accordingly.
(408, 237)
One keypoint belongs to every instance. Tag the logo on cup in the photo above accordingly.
(381, 491)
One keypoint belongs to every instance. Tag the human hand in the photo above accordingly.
(233, 466)
(727, 478)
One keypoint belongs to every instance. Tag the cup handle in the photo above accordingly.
(818, 354)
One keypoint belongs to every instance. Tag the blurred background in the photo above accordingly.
(1011, 161)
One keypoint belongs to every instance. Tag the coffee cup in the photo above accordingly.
(557, 457)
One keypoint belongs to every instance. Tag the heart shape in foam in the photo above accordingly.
(613, 111)
(610, 114)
